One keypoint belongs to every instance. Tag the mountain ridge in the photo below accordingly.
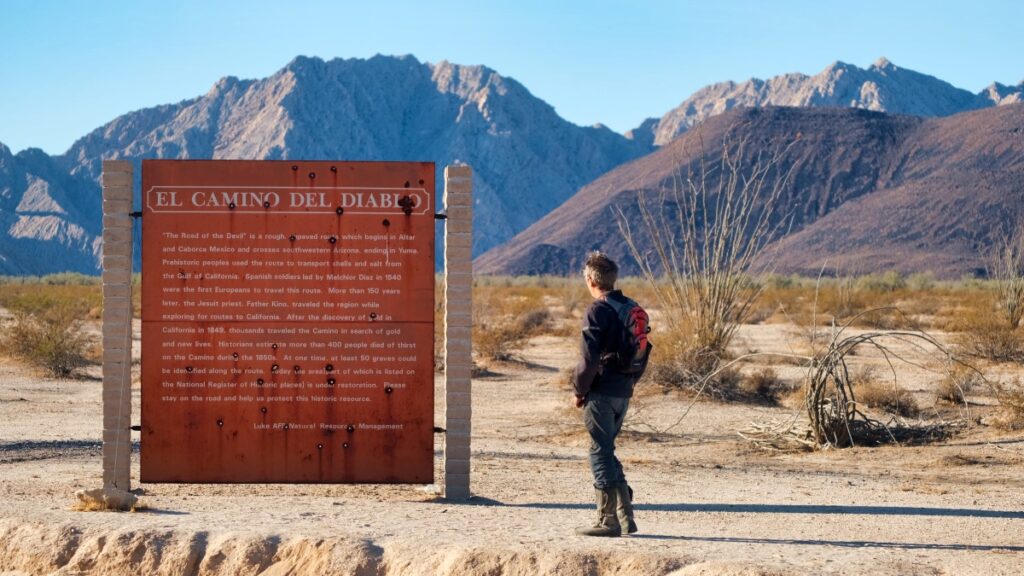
(882, 87)
(869, 191)
(527, 160)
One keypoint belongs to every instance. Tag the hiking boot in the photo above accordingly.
(607, 522)
(625, 508)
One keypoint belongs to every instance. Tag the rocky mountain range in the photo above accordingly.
(527, 160)
(882, 87)
(867, 192)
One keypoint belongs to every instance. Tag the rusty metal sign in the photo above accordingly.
(287, 313)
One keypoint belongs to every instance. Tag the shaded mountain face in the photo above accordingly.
(957, 187)
(46, 224)
(882, 87)
(867, 192)
(526, 159)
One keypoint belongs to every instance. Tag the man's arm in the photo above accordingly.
(590, 353)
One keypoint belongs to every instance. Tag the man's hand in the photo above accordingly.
(577, 400)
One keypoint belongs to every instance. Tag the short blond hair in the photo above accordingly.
(601, 270)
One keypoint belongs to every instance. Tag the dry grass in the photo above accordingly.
(886, 302)
(77, 301)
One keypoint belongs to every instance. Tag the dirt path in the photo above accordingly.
(707, 503)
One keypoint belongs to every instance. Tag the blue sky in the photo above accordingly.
(67, 67)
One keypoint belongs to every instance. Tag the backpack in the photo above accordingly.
(633, 348)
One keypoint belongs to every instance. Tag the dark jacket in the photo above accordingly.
(602, 330)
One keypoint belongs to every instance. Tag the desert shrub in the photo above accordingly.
(690, 374)
(972, 282)
(70, 279)
(1007, 269)
(780, 282)
(835, 301)
(45, 329)
(700, 236)
(887, 282)
(760, 312)
(860, 302)
(533, 321)
(764, 385)
(873, 301)
(496, 339)
(1010, 414)
(784, 303)
(921, 282)
(573, 297)
(844, 298)
(501, 326)
(983, 334)
(677, 362)
(957, 383)
(986, 316)
(50, 341)
(927, 303)
(886, 396)
(506, 312)
(990, 314)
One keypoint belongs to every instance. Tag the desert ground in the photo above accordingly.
(708, 500)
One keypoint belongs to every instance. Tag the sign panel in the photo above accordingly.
(287, 321)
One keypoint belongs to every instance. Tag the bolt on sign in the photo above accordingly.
(287, 321)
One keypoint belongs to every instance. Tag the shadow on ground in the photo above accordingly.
(777, 509)
(837, 543)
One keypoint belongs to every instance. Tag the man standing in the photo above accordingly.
(603, 383)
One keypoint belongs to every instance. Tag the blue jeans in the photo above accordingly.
(603, 416)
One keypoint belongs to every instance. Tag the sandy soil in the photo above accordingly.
(707, 502)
